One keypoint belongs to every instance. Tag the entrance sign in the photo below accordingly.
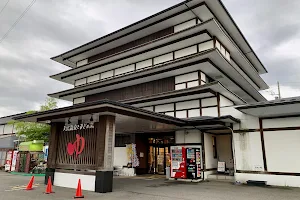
(221, 166)
(77, 146)
(74, 127)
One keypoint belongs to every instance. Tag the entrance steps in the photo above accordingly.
(220, 177)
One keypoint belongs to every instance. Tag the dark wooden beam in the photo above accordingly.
(218, 104)
(263, 144)
(53, 142)
(203, 151)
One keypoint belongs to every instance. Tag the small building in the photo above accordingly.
(184, 77)
(30, 154)
(8, 138)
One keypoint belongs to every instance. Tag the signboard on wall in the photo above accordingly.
(45, 150)
(221, 166)
(74, 127)
(8, 160)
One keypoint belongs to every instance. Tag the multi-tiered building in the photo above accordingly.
(178, 77)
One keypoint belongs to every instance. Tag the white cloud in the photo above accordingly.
(52, 27)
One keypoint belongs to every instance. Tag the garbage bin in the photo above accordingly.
(168, 173)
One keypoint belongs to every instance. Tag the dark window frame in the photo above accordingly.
(214, 143)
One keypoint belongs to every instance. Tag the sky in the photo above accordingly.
(51, 27)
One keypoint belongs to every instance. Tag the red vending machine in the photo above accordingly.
(185, 162)
(178, 162)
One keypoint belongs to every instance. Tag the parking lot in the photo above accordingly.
(12, 188)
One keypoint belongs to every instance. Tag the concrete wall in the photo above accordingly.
(281, 122)
(210, 161)
(248, 151)
(225, 102)
(7, 142)
(281, 149)
(189, 136)
(282, 146)
(120, 156)
(71, 180)
(247, 121)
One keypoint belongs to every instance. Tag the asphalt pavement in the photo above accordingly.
(146, 188)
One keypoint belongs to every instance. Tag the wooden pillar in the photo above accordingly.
(27, 165)
(53, 142)
(52, 150)
(105, 143)
(104, 154)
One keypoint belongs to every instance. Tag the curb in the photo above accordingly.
(26, 174)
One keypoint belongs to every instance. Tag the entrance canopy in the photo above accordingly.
(275, 108)
(129, 119)
(77, 145)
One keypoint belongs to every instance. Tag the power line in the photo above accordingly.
(4, 6)
(17, 21)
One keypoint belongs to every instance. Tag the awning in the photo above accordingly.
(36, 145)
(129, 119)
(275, 108)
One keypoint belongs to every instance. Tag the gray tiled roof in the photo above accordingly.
(290, 100)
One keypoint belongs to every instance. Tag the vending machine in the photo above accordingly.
(193, 163)
(185, 162)
(178, 162)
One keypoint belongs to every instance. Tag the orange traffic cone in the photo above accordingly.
(78, 191)
(49, 186)
(29, 186)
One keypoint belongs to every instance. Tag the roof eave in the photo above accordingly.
(263, 69)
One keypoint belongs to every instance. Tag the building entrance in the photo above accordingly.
(159, 154)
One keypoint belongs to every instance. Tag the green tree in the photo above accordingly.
(32, 130)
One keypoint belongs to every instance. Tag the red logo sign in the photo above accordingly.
(77, 146)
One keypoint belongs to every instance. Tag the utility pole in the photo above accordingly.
(279, 96)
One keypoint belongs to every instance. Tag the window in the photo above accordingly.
(187, 80)
(122, 140)
(79, 100)
(2, 157)
(214, 143)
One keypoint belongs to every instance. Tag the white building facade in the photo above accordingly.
(189, 63)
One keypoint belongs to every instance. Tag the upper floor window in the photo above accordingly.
(192, 79)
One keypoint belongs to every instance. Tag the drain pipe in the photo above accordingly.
(233, 150)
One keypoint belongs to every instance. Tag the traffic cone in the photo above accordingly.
(49, 186)
(78, 191)
(29, 186)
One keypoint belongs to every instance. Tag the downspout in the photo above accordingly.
(233, 149)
